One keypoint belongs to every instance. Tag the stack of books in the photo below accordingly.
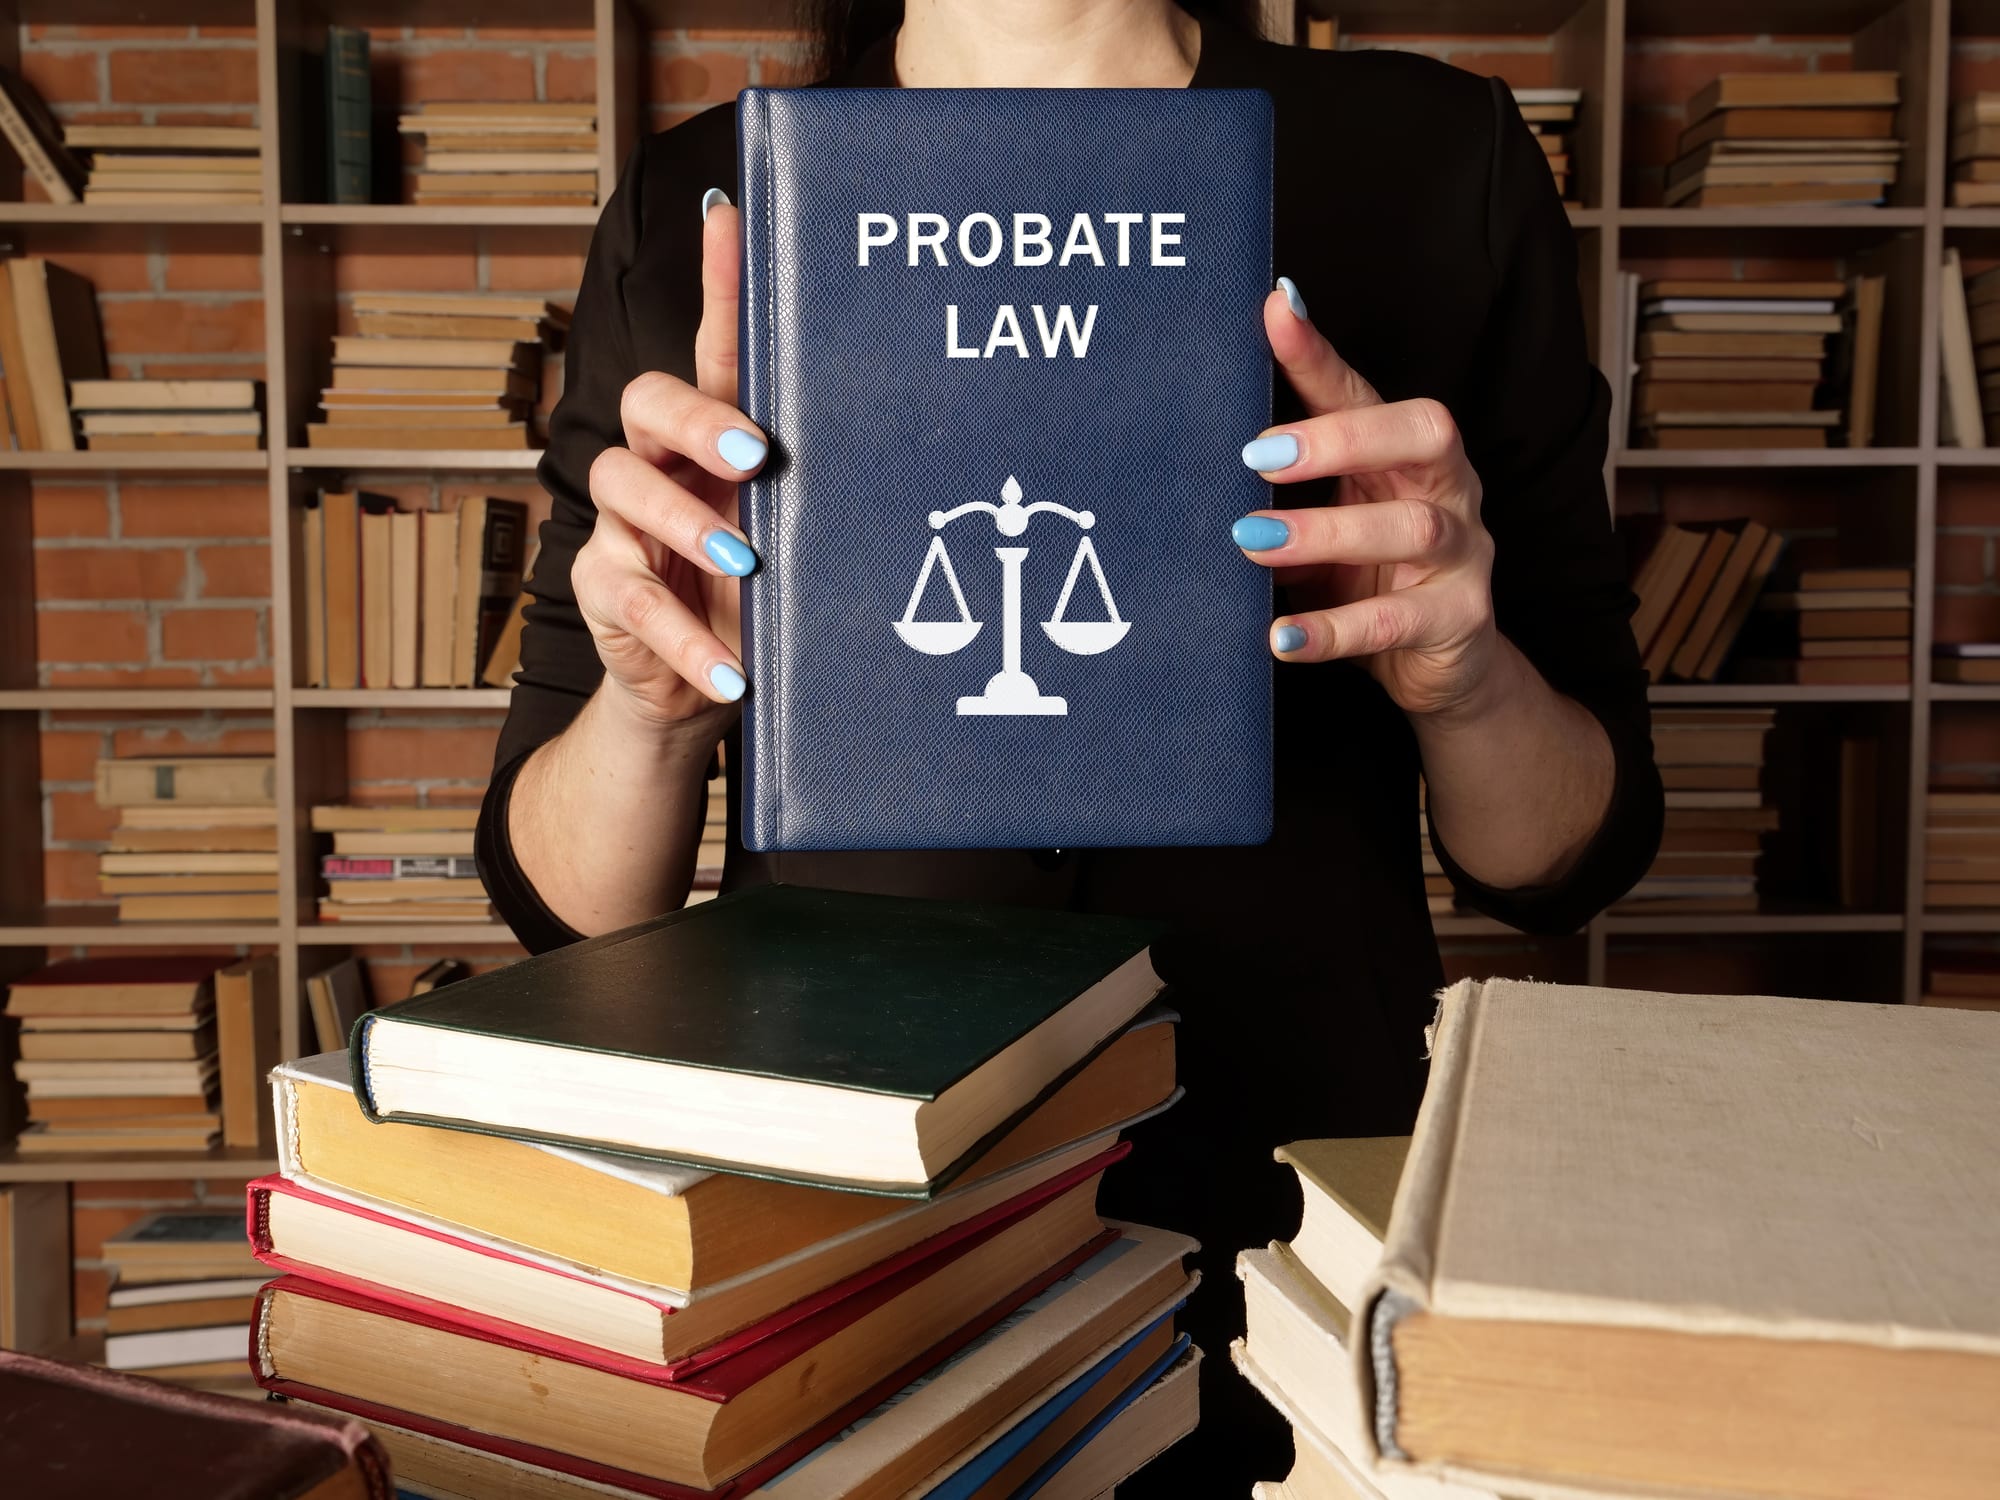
(505, 154)
(1731, 364)
(454, 371)
(400, 864)
(177, 165)
(1696, 590)
(196, 839)
(581, 1247)
(49, 336)
(1962, 979)
(403, 599)
(1975, 151)
(1835, 626)
(122, 1054)
(167, 416)
(1551, 115)
(1797, 140)
(37, 139)
(1712, 764)
(1961, 850)
(183, 1290)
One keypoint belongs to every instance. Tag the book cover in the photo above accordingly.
(995, 584)
(349, 153)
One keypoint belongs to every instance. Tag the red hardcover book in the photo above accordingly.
(450, 1256)
(582, 1467)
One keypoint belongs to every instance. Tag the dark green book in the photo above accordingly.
(864, 1042)
(349, 178)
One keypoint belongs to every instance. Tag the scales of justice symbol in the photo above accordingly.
(1011, 690)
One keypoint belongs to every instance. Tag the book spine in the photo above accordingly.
(22, 138)
(348, 170)
(762, 804)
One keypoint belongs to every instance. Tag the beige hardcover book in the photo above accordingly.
(162, 138)
(405, 596)
(1796, 91)
(376, 589)
(1564, 1302)
(340, 512)
(1865, 364)
(55, 314)
(419, 439)
(1721, 600)
(223, 780)
(34, 1267)
(458, 304)
(163, 395)
(1348, 1187)
(440, 596)
(453, 354)
(335, 817)
(1960, 422)
(335, 997)
(312, 564)
(246, 1030)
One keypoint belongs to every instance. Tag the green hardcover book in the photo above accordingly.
(348, 150)
(864, 1042)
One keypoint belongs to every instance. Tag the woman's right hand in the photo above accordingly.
(658, 581)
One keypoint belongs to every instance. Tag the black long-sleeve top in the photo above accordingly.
(1417, 215)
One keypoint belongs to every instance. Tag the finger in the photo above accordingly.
(1367, 627)
(1324, 381)
(1383, 531)
(618, 592)
(1365, 440)
(665, 418)
(721, 287)
(624, 485)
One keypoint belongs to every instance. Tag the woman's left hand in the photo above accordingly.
(1398, 570)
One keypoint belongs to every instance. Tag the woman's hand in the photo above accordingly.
(1397, 572)
(657, 583)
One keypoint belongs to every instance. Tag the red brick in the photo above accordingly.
(210, 739)
(118, 33)
(772, 36)
(1521, 70)
(234, 572)
(170, 367)
(468, 74)
(90, 635)
(91, 1227)
(75, 817)
(209, 635)
(243, 677)
(1968, 500)
(1672, 74)
(185, 75)
(216, 507)
(1961, 560)
(1964, 735)
(165, 1192)
(171, 325)
(709, 77)
(115, 268)
(70, 754)
(569, 77)
(214, 260)
(557, 272)
(446, 265)
(109, 572)
(146, 677)
(90, 1289)
(70, 510)
(426, 753)
(1967, 617)
(62, 76)
(70, 875)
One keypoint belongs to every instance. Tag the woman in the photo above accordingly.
(1455, 604)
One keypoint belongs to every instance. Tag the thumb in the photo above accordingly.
(1325, 382)
(721, 288)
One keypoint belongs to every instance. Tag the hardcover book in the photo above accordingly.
(1007, 346)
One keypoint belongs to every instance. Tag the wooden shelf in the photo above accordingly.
(223, 1161)
(432, 216)
(139, 700)
(1959, 921)
(236, 460)
(1766, 458)
(1760, 923)
(416, 460)
(1773, 693)
(406, 698)
(1884, 219)
(98, 926)
(131, 213)
(377, 934)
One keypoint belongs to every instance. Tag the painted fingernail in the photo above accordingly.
(1260, 533)
(731, 553)
(1278, 451)
(727, 681)
(1287, 638)
(1292, 298)
(740, 449)
(716, 195)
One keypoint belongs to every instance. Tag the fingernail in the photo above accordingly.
(1278, 451)
(727, 681)
(1292, 298)
(1287, 638)
(716, 195)
(1260, 533)
(740, 449)
(731, 553)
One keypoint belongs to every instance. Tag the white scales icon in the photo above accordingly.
(1011, 690)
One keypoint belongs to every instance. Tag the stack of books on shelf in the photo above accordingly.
(1551, 115)
(196, 839)
(1742, 364)
(882, 1302)
(1961, 849)
(49, 336)
(404, 599)
(170, 165)
(1712, 763)
(400, 864)
(1834, 627)
(184, 1288)
(451, 371)
(37, 139)
(1696, 590)
(1796, 140)
(1975, 151)
(1966, 661)
(167, 416)
(509, 154)
(1962, 980)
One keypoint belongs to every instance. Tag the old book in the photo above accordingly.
(218, 908)
(349, 95)
(178, 1245)
(1790, 124)
(1727, 395)
(1709, 667)
(163, 137)
(1519, 1346)
(55, 312)
(414, 842)
(1348, 1187)
(1959, 420)
(164, 424)
(19, 397)
(466, 381)
(1704, 183)
(458, 304)
(35, 1273)
(164, 985)
(223, 780)
(340, 512)
(166, 1044)
(1796, 91)
(246, 1028)
(1864, 358)
(1709, 778)
(1834, 624)
(503, 660)
(471, 324)
(377, 648)
(1786, 195)
(175, 442)
(492, 543)
(473, 354)
(1959, 669)
(483, 439)
(163, 395)
(1797, 600)
(1736, 437)
(336, 997)
(1886, 646)
(439, 594)
(1661, 372)
(405, 596)
(1743, 322)
(1700, 580)
(312, 567)
(1656, 344)
(1662, 579)
(572, 173)
(935, 1093)
(337, 817)
(1658, 289)
(37, 139)
(447, 421)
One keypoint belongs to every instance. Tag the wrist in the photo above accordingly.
(1490, 677)
(634, 729)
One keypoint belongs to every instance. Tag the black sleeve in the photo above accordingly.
(559, 664)
(1535, 426)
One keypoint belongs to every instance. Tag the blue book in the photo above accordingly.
(1008, 347)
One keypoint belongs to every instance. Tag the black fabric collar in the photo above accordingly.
(1220, 65)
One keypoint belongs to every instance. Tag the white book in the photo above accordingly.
(1739, 305)
(176, 1346)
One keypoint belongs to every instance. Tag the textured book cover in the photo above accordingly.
(1007, 345)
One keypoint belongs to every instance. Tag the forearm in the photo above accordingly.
(605, 819)
(1520, 777)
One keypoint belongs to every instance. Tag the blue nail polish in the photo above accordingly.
(1278, 451)
(731, 553)
(1287, 638)
(709, 199)
(727, 681)
(740, 449)
(1292, 298)
(1260, 533)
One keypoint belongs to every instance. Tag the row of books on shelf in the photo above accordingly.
(1711, 763)
(1551, 117)
(405, 598)
(1794, 140)
(161, 164)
